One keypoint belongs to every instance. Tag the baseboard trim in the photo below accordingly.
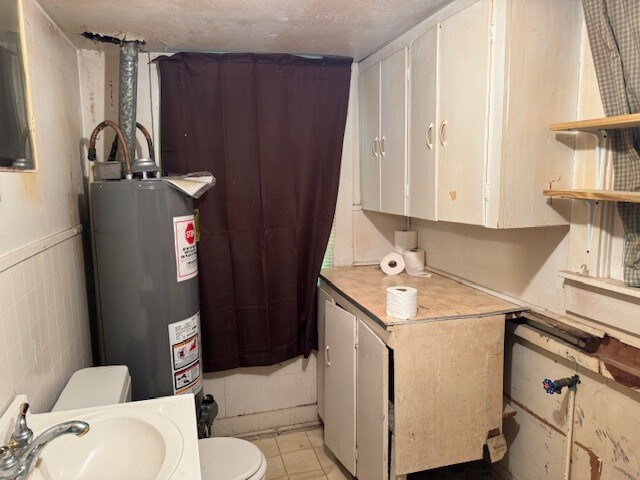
(267, 423)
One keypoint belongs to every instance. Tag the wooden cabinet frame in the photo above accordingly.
(447, 390)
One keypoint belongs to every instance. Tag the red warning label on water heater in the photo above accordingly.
(184, 342)
(190, 233)
(185, 352)
(187, 380)
(184, 232)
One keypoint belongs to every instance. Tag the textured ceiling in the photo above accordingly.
(355, 28)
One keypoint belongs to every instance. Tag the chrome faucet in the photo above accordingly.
(19, 459)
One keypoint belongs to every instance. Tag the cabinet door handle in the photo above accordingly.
(429, 136)
(443, 139)
(374, 148)
(326, 356)
(382, 149)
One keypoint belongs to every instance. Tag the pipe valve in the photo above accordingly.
(556, 386)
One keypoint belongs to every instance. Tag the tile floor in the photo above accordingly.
(302, 456)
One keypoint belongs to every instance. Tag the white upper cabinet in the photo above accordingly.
(462, 123)
(486, 78)
(383, 137)
(393, 130)
(535, 78)
(423, 107)
(369, 95)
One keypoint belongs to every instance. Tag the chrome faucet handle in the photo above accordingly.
(22, 435)
(9, 465)
(30, 455)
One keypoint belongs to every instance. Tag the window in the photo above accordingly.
(327, 260)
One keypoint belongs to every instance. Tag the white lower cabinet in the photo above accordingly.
(322, 298)
(355, 394)
(443, 377)
(372, 405)
(340, 384)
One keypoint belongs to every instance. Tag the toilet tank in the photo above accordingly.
(94, 387)
(145, 268)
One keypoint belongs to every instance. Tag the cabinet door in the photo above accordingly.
(372, 405)
(322, 298)
(340, 385)
(393, 127)
(369, 99)
(462, 127)
(448, 391)
(423, 145)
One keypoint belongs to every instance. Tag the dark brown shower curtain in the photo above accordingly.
(270, 129)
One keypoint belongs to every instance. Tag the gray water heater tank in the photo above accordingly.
(145, 264)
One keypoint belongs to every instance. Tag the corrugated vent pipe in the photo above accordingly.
(128, 95)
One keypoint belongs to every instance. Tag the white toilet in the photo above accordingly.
(221, 458)
(226, 458)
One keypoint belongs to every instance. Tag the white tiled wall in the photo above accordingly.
(44, 324)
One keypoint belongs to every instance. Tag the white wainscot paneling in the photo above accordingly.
(44, 322)
(264, 398)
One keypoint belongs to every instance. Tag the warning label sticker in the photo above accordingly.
(187, 380)
(185, 352)
(184, 232)
(184, 342)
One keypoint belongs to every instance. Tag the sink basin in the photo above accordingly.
(121, 444)
(151, 439)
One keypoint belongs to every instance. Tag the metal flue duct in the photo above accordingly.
(128, 96)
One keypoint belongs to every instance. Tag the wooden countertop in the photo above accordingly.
(439, 298)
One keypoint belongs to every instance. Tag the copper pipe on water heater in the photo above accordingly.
(119, 135)
(147, 136)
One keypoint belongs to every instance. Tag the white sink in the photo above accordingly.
(149, 440)
(122, 443)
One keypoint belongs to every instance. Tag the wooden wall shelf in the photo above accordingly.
(598, 195)
(595, 124)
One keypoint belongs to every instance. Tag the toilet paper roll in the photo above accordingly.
(405, 239)
(402, 302)
(392, 263)
(414, 262)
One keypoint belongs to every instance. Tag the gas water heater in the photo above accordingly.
(145, 262)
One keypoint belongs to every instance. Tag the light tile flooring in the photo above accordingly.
(302, 456)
